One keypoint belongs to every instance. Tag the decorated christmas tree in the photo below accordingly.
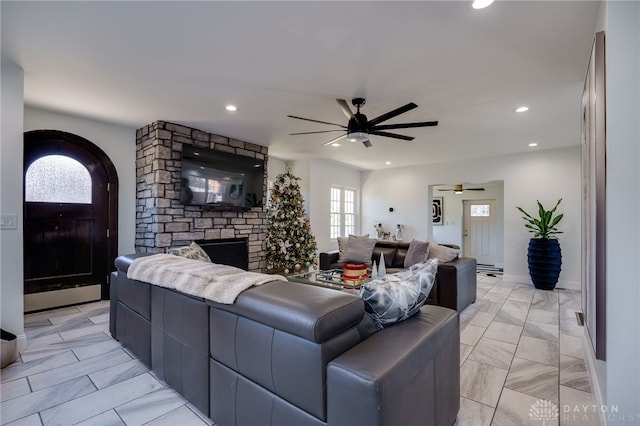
(291, 246)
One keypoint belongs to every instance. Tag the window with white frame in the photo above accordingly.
(343, 212)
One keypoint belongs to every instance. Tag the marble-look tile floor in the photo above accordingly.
(74, 373)
(521, 358)
(519, 346)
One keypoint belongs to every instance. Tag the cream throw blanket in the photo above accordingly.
(220, 283)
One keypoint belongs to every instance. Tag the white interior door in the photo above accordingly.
(479, 230)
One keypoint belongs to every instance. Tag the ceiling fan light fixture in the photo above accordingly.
(457, 192)
(481, 4)
(357, 137)
(359, 127)
(335, 144)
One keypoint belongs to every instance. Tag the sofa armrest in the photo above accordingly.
(457, 283)
(412, 364)
(123, 262)
(327, 258)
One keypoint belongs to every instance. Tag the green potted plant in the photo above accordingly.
(544, 255)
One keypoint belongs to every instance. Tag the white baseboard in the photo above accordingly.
(21, 342)
(569, 285)
(596, 386)
(57, 298)
(525, 279)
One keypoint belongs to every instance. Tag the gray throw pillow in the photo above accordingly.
(417, 252)
(442, 253)
(359, 249)
(192, 251)
(342, 247)
(396, 297)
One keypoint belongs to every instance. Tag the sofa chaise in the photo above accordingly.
(291, 354)
(456, 281)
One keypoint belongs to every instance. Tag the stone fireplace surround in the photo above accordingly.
(162, 222)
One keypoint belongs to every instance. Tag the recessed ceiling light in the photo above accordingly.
(335, 144)
(387, 162)
(481, 4)
(231, 108)
(522, 109)
(532, 144)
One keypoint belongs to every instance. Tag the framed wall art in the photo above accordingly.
(437, 216)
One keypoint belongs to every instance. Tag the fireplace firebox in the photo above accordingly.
(227, 251)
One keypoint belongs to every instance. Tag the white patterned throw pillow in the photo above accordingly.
(396, 297)
(192, 251)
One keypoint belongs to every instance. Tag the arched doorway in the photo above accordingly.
(70, 219)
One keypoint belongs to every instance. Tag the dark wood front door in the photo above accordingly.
(69, 240)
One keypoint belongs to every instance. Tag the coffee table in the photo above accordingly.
(331, 278)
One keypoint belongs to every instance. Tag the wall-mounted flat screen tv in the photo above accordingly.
(220, 179)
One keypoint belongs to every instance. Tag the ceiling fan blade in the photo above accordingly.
(446, 189)
(367, 143)
(317, 121)
(335, 139)
(321, 131)
(474, 189)
(404, 125)
(345, 108)
(391, 114)
(392, 135)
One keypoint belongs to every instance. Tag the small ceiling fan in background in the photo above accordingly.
(458, 189)
(359, 128)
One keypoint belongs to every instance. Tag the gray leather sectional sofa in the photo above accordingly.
(292, 354)
(456, 282)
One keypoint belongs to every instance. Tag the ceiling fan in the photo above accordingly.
(359, 128)
(458, 189)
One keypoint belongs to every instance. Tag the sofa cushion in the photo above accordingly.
(192, 251)
(418, 252)
(401, 253)
(359, 249)
(442, 253)
(395, 297)
(388, 252)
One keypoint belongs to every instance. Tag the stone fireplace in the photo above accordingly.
(162, 222)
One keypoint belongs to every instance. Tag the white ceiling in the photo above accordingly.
(133, 63)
